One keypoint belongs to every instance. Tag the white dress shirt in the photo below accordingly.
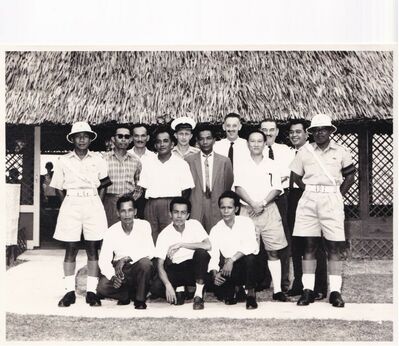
(258, 179)
(117, 244)
(148, 155)
(228, 241)
(211, 157)
(240, 149)
(166, 179)
(192, 233)
(283, 156)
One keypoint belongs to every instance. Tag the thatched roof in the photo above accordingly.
(129, 87)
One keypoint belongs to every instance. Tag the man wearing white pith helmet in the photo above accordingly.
(82, 174)
(325, 171)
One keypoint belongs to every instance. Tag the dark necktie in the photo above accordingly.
(207, 179)
(271, 154)
(291, 184)
(231, 153)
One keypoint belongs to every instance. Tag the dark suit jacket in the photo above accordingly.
(222, 180)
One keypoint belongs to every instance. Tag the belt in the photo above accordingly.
(82, 192)
(322, 188)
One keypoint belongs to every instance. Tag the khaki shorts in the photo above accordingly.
(320, 213)
(269, 227)
(81, 213)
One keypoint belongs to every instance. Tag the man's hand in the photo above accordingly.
(170, 294)
(172, 250)
(219, 280)
(119, 267)
(116, 281)
(228, 267)
(256, 209)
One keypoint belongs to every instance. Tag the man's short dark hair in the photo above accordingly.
(164, 129)
(258, 131)
(140, 125)
(124, 199)
(232, 195)
(180, 200)
(305, 124)
(122, 126)
(268, 120)
(232, 115)
(204, 127)
(49, 165)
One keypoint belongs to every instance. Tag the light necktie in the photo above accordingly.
(231, 153)
(271, 154)
(207, 180)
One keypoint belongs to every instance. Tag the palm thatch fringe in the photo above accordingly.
(130, 87)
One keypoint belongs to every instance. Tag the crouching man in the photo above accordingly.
(125, 258)
(234, 247)
(182, 255)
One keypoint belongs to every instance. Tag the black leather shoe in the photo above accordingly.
(306, 298)
(123, 302)
(280, 296)
(241, 295)
(251, 303)
(140, 305)
(230, 301)
(336, 299)
(180, 297)
(68, 299)
(294, 292)
(198, 303)
(319, 295)
(92, 299)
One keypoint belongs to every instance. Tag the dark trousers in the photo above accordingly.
(110, 208)
(137, 282)
(186, 273)
(156, 212)
(244, 273)
(298, 250)
(140, 205)
(285, 253)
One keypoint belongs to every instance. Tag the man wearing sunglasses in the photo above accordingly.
(124, 171)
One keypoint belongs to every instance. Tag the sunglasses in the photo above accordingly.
(119, 136)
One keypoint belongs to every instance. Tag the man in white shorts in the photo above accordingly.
(82, 174)
(258, 183)
(325, 171)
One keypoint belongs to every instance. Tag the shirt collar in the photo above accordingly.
(73, 154)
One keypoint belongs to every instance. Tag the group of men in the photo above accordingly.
(171, 223)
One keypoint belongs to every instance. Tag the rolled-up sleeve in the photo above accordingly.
(214, 252)
(57, 181)
(249, 242)
(106, 256)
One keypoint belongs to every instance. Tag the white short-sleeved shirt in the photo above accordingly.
(71, 172)
(148, 155)
(336, 159)
(193, 233)
(166, 179)
(117, 244)
(228, 241)
(258, 179)
(283, 156)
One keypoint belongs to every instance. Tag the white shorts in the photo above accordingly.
(320, 213)
(269, 227)
(81, 213)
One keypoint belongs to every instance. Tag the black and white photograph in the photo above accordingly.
(246, 195)
(197, 177)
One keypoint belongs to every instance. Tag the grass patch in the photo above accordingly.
(40, 327)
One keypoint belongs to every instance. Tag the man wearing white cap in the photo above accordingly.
(81, 173)
(325, 171)
(183, 128)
